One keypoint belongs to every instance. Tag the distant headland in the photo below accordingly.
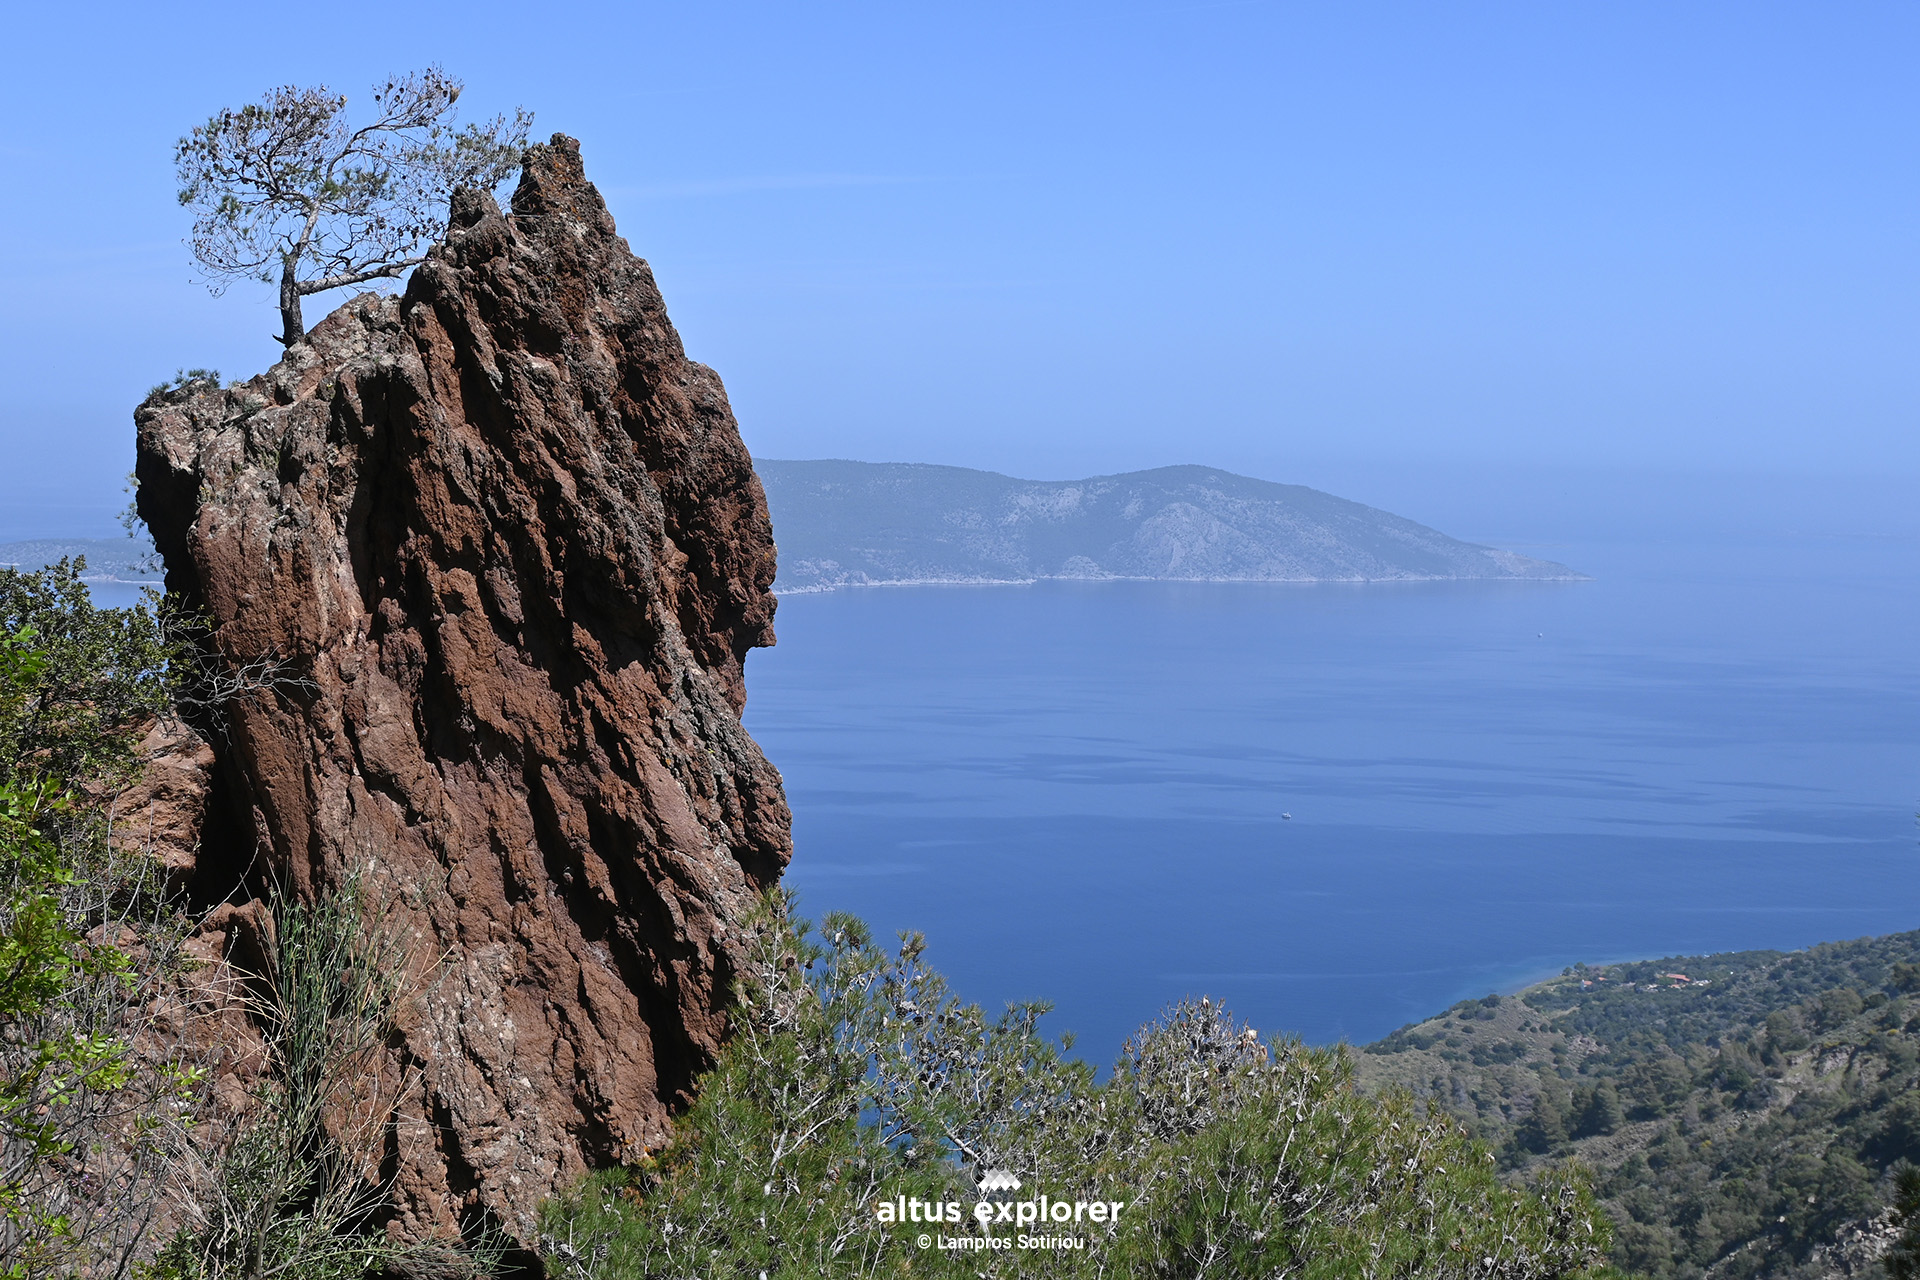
(844, 524)
(121, 560)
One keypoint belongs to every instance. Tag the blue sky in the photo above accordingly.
(1366, 246)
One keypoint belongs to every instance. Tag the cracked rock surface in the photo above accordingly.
(500, 553)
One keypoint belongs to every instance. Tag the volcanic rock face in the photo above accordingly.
(493, 553)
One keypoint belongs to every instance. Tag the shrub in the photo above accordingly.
(855, 1077)
(292, 1188)
(85, 1126)
(1785, 1032)
(1903, 1259)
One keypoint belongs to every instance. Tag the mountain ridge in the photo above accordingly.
(842, 523)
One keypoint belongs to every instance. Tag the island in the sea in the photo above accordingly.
(843, 524)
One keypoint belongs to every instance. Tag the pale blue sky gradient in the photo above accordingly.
(1366, 246)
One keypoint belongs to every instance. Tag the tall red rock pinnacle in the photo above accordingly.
(509, 552)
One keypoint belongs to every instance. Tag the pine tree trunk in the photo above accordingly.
(292, 328)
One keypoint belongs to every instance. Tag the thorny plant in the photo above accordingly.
(106, 673)
(1256, 1159)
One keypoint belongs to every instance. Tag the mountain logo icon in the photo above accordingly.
(998, 1180)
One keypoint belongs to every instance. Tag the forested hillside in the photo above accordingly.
(1743, 1113)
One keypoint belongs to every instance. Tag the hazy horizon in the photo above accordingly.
(1379, 252)
(1522, 509)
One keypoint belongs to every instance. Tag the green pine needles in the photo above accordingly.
(856, 1078)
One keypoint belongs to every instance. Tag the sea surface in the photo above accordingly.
(1341, 808)
(1080, 791)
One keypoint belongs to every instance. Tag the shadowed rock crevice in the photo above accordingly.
(507, 537)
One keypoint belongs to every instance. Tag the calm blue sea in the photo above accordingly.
(1080, 792)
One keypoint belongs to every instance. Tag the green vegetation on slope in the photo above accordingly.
(1745, 1114)
(80, 1116)
(855, 1079)
(117, 1160)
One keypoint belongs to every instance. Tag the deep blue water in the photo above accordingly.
(1077, 790)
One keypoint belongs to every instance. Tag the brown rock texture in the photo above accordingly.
(500, 552)
(162, 813)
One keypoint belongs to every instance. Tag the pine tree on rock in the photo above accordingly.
(284, 190)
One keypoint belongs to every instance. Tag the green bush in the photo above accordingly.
(52, 1057)
(1785, 1032)
(98, 675)
(855, 1078)
(1903, 1259)
(84, 1125)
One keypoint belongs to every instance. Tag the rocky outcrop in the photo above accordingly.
(485, 561)
(161, 814)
